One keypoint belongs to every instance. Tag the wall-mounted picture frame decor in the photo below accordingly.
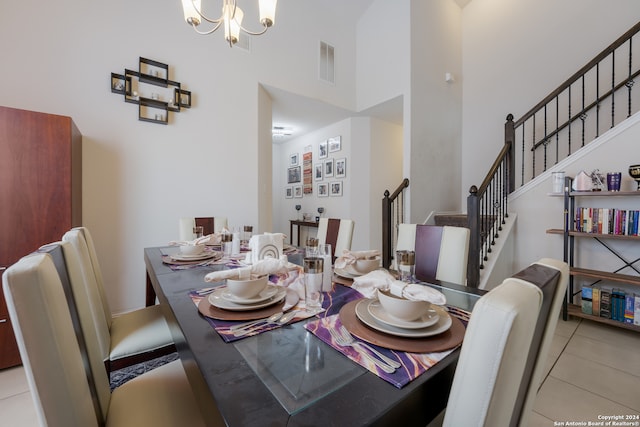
(288, 192)
(323, 189)
(293, 175)
(335, 144)
(335, 188)
(317, 171)
(307, 172)
(293, 159)
(328, 168)
(297, 191)
(323, 149)
(341, 168)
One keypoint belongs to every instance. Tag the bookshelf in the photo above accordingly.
(571, 239)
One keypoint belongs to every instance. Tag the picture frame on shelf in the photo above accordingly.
(323, 189)
(336, 189)
(297, 191)
(293, 175)
(317, 174)
(335, 144)
(294, 159)
(288, 192)
(328, 168)
(323, 149)
(341, 168)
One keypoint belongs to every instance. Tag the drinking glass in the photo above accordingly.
(324, 252)
(311, 247)
(198, 231)
(312, 277)
(227, 243)
(406, 261)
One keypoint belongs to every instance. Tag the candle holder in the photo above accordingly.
(298, 207)
(320, 210)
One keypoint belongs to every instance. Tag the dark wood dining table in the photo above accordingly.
(287, 376)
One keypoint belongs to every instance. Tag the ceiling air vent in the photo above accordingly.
(326, 64)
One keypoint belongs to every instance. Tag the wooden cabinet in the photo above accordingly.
(572, 238)
(40, 192)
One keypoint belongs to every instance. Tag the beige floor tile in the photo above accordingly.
(12, 381)
(557, 346)
(561, 401)
(610, 334)
(538, 420)
(622, 357)
(568, 327)
(599, 379)
(18, 410)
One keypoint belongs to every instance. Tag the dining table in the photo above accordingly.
(287, 376)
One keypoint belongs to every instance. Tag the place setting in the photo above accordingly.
(191, 254)
(352, 264)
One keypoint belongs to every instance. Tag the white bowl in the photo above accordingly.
(364, 266)
(192, 249)
(401, 308)
(247, 288)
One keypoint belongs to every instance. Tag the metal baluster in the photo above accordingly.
(629, 81)
(597, 99)
(522, 162)
(569, 136)
(533, 141)
(613, 86)
(557, 131)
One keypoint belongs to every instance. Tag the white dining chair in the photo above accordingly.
(209, 225)
(337, 232)
(127, 339)
(505, 348)
(63, 387)
(442, 252)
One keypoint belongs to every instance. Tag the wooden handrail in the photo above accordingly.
(387, 224)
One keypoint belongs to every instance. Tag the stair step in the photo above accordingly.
(455, 220)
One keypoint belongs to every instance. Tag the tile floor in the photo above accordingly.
(593, 370)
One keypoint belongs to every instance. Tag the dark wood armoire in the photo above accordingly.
(40, 193)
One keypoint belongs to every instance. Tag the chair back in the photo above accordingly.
(336, 232)
(50, 352)
(209, 225)
(442, 252)
(88, 290)
(493, 356)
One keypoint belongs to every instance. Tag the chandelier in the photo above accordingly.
(231, 18)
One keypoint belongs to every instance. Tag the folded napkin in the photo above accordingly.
(263, 267)
(199, 241)
(268, 245)
(368, 285)
(350, 257)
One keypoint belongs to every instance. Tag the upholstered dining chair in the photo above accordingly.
(64, 390)
(442, 252)
(130, 338)
(337, 232)
(209, 225)
(505, 347)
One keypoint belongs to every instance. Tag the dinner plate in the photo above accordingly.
(343, 273)
(442, 325)
(199, 257)
(216, 299)
(268, 292)
(379, 313)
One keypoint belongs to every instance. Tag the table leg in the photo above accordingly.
(151, 294)
(291, 233)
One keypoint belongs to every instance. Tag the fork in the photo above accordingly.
(348, 337)
(342, 341)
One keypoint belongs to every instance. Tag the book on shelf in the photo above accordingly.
(586, 296)
(595, 301)
(607, 221)
(617, 305)
(605, 303)
(636, 309)
(629, 308)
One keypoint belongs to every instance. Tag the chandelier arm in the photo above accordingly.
(254, 33)
(205, 17)
(204, 33)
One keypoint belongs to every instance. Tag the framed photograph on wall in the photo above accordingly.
(288, 192)
(317, 171)
(293, 175)
(297, 191)
(335, 144)
(335, 188)
(328, 168)
(323, 189)
(293, 159)
(341, 168)
(323, 150)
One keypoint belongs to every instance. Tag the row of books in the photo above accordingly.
(607, 221)
(611, 303)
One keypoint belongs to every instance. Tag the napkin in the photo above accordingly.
(369, 283)
(350, 257)
(268, 245)
(261, 268)
(194, 242)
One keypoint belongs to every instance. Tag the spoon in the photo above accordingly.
(253, 323)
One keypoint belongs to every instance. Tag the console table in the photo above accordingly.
(299, 224)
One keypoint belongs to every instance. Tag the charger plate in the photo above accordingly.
(449, 339)
(206, 309)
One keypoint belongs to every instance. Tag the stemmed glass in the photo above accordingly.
(320, 210)
(298, 207)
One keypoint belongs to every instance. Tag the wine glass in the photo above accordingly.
(298, 207)
(320, 210)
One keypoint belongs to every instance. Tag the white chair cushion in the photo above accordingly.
(161, 397)
(139, 331)
(454, 254)
(493, 356)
